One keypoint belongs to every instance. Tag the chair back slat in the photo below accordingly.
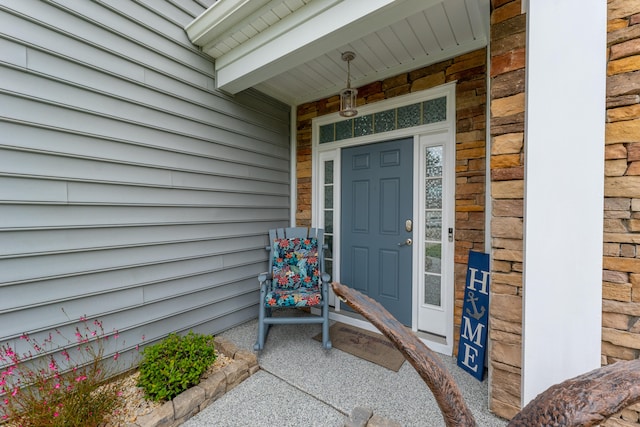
(292, 232)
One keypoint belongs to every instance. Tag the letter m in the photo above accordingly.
(473, 335)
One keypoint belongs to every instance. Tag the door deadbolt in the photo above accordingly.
(407, 242)
(408, 225)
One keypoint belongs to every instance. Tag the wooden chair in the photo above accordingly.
(296, 278)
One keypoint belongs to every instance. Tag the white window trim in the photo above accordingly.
(448, 221)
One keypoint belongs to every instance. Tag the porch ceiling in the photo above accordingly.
(291, 49)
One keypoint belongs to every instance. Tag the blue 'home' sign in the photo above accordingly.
(475, 315)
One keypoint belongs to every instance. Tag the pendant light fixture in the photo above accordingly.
(348, 95)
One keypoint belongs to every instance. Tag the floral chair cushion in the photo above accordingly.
(295, 263)
(301, 297)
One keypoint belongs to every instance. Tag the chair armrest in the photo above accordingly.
(265, 277)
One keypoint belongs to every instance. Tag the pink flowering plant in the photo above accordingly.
(58, 381)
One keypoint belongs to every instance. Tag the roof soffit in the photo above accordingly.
(262, 43)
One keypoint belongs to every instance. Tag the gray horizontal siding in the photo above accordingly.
(197, 273)
(130, 189)
(31, 216)
(20, 162)
(40, 241)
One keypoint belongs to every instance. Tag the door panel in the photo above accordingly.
(388, 267)
(389, 192)
(377, 200)
(360, 206)
(360, 258)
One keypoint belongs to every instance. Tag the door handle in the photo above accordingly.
(407, 242)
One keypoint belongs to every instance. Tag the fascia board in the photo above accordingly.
(280, 29)
(306, 36)
(219, 18)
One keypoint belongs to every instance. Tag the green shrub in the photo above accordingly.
(175, 364)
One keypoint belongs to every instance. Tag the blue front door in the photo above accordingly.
(376, 224)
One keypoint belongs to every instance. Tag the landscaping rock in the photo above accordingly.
(160, 417)
(225, 346)
(378, 421)
(359, 417)
(186, 402)
(214, 386)
(248, 357)
(236, 372)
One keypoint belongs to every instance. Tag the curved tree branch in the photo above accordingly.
(586, 400)
(424, 360)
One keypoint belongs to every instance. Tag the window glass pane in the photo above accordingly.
(328, 172)
(433, 257)
(328, 267)
(433, 229)
(433, 188)
(327, 133)
(363, 125)
(344, 129)
(328, 239)
(432, 289)
(408, 116)
(328, 197)
(434, 161)
(328, 221)
(434, 110)
(384, 121)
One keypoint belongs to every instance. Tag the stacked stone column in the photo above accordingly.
(507, 70)
(621, 274)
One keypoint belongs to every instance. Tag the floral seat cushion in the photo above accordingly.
(301, 297)
(295, 263)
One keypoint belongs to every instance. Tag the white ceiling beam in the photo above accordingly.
(317, 28)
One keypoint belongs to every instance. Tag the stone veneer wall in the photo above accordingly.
(507, 70)
(621, 275)
(469, 71)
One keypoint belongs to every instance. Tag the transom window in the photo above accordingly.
(406, 116)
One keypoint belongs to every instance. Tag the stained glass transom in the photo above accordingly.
(434, 110)
(344, 129)
(406, 116)
(327, 133)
